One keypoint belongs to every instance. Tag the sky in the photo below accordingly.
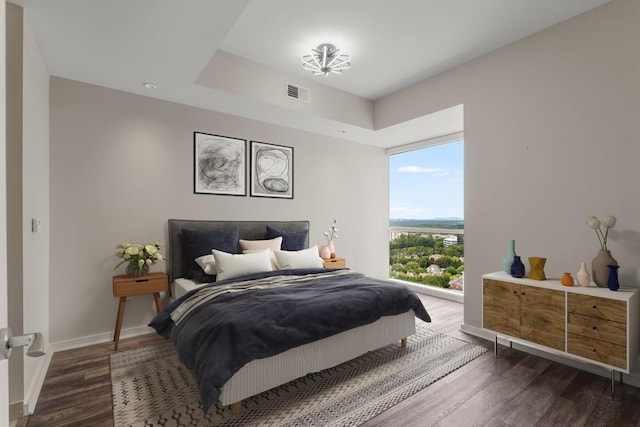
(427, 183)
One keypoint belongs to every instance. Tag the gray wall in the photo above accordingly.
(122, 164)
(550, 137)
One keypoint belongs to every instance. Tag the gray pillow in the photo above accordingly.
(291, 240)
(198, 243)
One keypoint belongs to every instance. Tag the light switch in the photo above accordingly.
(35, 225)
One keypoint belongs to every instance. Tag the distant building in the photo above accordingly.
(434, 269)
(450, 240)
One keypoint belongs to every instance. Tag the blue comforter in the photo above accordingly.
(239, 320)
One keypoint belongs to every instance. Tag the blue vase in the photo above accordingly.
(506, 263)
(517, 267)
(612, 281)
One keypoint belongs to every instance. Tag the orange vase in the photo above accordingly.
(566, 279)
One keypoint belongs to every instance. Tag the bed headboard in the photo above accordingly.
(248, 230)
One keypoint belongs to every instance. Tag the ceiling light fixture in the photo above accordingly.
(150, 85)
(326, 59)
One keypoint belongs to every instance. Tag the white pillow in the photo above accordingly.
(274, 244)
(229, 266)
(272, 256)
(207, 263)
(306, 258)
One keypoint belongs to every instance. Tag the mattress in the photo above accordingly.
(179, 287)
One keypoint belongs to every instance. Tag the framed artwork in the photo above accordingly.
(220, 165)
(271, 170)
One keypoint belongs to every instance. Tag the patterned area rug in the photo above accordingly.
(149, 387)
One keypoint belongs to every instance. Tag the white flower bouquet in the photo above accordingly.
(608, 221)
(332, 232)
(138, 254)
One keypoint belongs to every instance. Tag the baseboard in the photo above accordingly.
(99, 338)
(632, 378)
(31, 398)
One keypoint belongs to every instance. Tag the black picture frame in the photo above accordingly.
(271, 170)
(219, 165)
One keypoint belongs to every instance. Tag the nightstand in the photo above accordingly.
(127, 286)
(334, 263)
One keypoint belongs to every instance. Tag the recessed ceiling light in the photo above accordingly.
(150, 85)
(342, 131)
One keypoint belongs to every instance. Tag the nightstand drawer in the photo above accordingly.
(124, 286)
(334, 263)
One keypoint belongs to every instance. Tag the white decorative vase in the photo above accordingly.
(325, 252)
(582, 276)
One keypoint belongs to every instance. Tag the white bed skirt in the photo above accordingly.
(263, 374)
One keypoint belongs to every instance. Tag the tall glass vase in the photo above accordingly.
(506, 262)
(332, 249)
(599, 269)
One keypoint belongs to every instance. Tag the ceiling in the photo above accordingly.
(393, 44)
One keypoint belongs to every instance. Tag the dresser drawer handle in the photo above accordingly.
(595, 306)
(595, 328)
(594, 350)
(142, 280)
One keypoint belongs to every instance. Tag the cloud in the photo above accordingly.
(419, 169)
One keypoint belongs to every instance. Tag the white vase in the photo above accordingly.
(332, 249)
(582, 276)
(325, 252)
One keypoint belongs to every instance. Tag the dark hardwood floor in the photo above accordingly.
(515, 389)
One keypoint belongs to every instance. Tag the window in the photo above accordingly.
(426, 214)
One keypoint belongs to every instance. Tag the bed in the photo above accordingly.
(246, 358)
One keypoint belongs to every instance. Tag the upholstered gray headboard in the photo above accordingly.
(248, 230)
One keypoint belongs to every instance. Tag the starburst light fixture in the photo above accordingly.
(326, 59)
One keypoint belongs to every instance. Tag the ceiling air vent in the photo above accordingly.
(298, 93)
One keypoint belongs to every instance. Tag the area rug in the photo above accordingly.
(150, 386)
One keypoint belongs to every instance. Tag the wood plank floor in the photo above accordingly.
(515, 389)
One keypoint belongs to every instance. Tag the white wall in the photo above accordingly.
(122, 164)
(35, 182)
(550, 137)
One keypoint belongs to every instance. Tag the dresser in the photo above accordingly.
(590, 324)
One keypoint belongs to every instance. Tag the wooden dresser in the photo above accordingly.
(590, 324)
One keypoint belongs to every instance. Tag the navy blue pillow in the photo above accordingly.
(291, 240)
(199, 243)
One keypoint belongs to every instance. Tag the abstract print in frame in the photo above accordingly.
(219, 165)
(271, 170)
